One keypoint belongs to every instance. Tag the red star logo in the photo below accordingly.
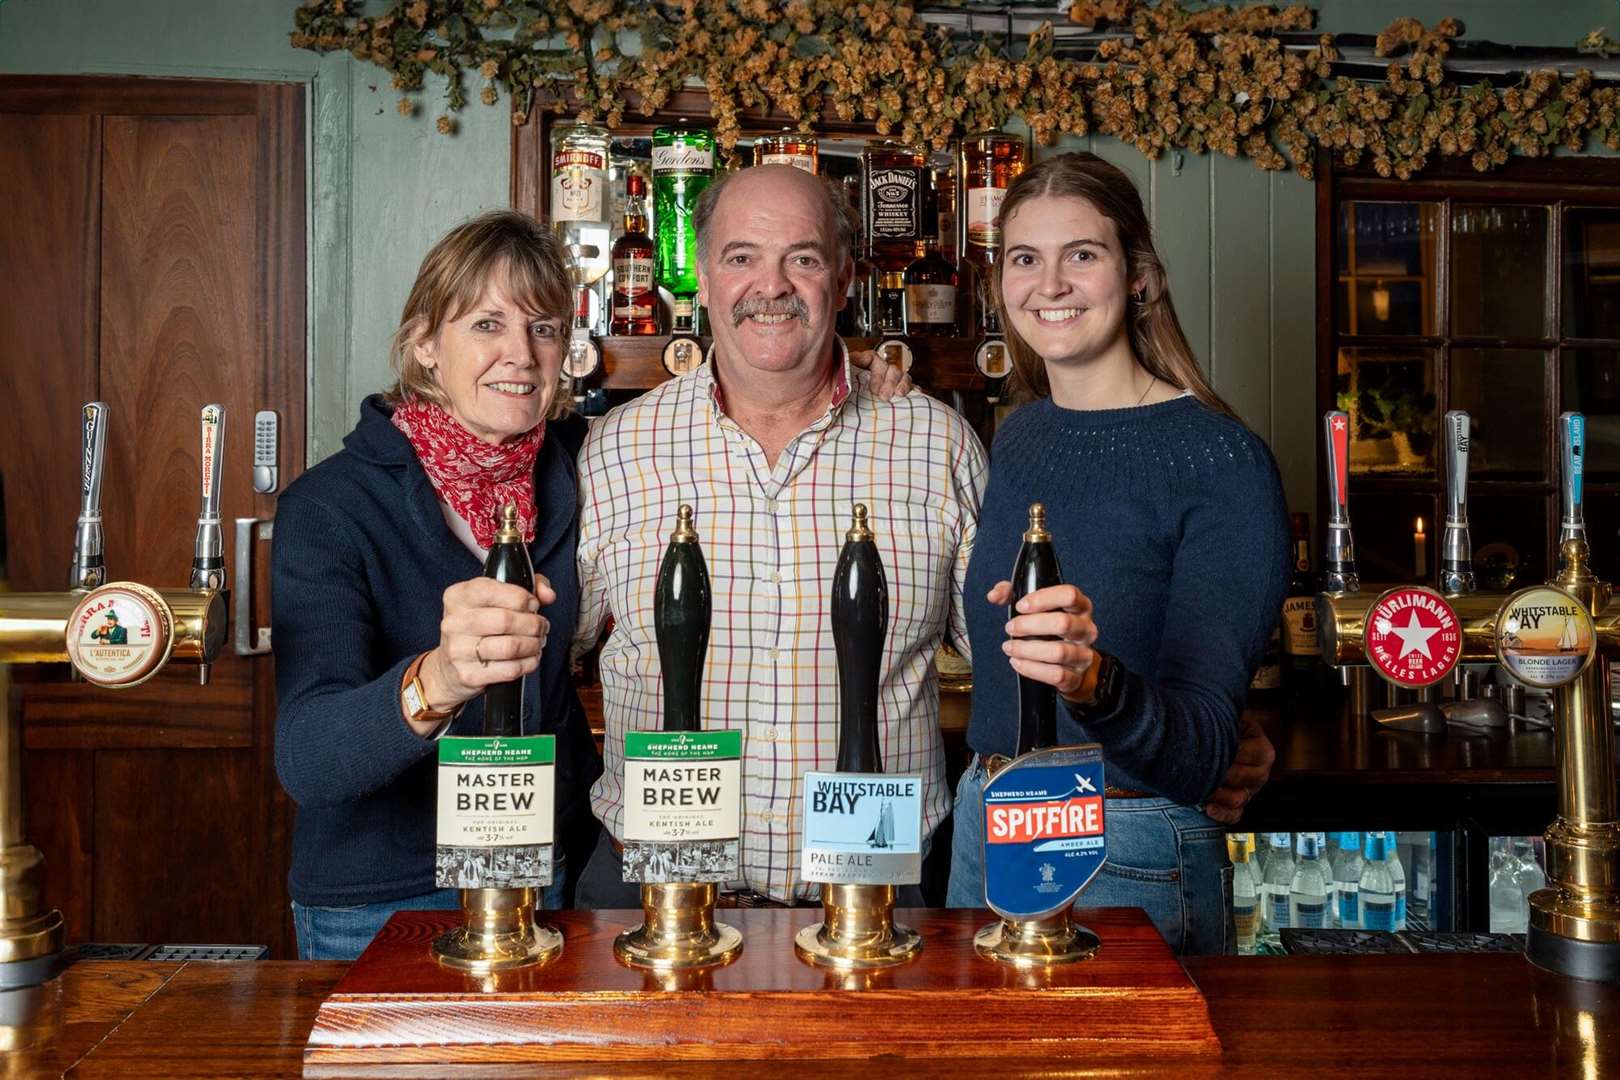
(1338, 423)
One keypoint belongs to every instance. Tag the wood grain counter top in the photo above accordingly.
(1471, 1015)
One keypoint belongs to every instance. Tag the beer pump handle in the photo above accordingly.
(1036, 568)
(682, 607)
(1339, 572)
(860, 622)
(1572, 462)
(208, 553)
(1457, 548)
(89, 564)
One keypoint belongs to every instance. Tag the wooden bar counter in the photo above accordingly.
(1467, 1015)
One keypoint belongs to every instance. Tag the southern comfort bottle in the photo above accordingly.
(635, 300)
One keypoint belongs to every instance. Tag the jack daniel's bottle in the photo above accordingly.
(1036, 568)
(508, 561)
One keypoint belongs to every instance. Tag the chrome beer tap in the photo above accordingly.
(1457, 547)
(1572, 458)
(89, 564)
(208, 551)
(1339, 572)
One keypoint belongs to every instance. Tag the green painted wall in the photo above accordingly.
(1240, 243)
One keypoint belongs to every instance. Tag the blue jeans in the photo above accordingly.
(342, 933)
(1167, 859)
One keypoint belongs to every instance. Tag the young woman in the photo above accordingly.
(1171, 530)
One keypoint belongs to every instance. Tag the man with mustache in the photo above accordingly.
(773, 441)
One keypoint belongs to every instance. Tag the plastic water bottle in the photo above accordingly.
(1347, 881)
(1307, 893)
(1279, 882)
(1376, 891)
(1245, 895)
(1327, 850)
(1527, 872)
(1397, 873)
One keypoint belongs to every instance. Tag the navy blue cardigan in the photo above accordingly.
(359, 565)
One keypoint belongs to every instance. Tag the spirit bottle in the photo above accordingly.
(788, 148)
(508, 561)
(990, 163)
(942, 163)
(581, 203)
(635, 301)
(895, 182)
(682, 166)
(930, 289)
(1036, 568)
(1302, 646)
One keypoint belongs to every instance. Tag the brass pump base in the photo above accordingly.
(857, 931)
(678, 931)
(1031, 943)
(500, 934)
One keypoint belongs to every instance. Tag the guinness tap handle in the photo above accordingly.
(1572, 459)
(208, 553)
(1456, 548)
(860, 621)
(1339, 572)
(682, 607)
(89, 565)
(1036, 568)
(508, 561)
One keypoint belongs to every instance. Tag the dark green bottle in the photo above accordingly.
(681, 610)
(508, 561)
(860, 622)
(1036, 568)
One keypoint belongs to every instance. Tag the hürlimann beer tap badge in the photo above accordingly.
(1412, 636)
(682, 805)
(495, 811)
(862, 828)
(1043, 830)
(1544, 637)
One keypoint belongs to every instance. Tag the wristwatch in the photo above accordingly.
(1105, 693)
(413, 698)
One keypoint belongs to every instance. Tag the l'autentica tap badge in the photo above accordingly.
(682, 805)
(862, 828)
(1043, 830)
(495, 811)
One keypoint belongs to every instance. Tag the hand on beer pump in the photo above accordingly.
(491, 632)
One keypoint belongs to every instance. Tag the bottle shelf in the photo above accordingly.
(941, 363)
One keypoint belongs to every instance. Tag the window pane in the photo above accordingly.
(1592, 273)
(1389, 394)
(1386, 268)
(1510, 537)
(1498, 271)
(1504, 392)
(1591, 384)
(1386, 544)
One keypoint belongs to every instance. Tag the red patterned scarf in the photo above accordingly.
(474, 477)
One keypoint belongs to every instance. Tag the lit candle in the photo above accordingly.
(1420, 550)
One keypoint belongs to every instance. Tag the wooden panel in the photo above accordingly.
(397, 1006)
(176, 839)
(171, 711)
(59, 793)
(178, 327)
(1180, 213)
(1294, 423)
(1240, 310)
(90, 95)
(48, 331)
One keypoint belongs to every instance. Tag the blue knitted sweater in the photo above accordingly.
(1171, 518)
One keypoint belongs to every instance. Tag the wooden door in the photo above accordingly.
(155, 260)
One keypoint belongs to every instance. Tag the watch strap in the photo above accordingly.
(1105, 695)
(411, 687)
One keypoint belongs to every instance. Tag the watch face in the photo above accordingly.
(413, 699)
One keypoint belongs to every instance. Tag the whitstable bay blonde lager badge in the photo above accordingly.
(682, 805)
(1544, 637)
(120, 634)
(495, 811)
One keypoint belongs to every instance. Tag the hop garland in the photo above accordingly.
(1212, 79)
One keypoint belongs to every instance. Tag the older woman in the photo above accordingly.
(386, 633)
